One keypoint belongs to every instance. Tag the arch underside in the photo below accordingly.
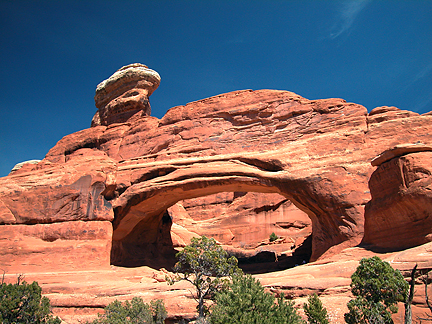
(142, 224)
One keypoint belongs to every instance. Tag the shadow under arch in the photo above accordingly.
(142, 225)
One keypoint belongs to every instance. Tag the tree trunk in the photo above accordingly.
(200, 304)
(409, 298)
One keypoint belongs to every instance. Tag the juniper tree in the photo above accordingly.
(23, 303)
(377, 288)
(315, 311)
(246, 302)
(205, 265)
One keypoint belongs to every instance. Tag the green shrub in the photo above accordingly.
(315, 311)
(23, 303)
(378, 288)
(135, 311)
(246, 302)
(273, 237)
(207, 267)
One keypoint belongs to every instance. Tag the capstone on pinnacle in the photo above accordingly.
(124, 94)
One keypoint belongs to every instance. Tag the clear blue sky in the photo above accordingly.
(54, 53)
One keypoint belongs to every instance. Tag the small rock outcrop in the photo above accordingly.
(21, 164)
(124, 94)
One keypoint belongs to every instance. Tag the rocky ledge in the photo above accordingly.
(325, 175)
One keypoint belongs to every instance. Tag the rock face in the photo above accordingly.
(57, 216)
(399, 214)
(225, 216)
(131, 170)
(124, 94)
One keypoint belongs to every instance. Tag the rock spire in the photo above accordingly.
(124, 94)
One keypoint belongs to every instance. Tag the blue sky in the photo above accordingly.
(54, 53)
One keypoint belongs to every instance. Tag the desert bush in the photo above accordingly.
(273, 237)
(377, 288)
(23, 303)
(135, 311)
(315, 311)
(246, 302)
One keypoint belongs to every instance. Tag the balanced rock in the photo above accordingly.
(124, 94)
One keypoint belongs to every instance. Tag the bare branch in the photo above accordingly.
(20, 278)
(426, 292)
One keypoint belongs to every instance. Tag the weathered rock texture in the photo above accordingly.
(112, 194)
(316, 154)
(242, 219)
(243, 222)
(78, 295)
(124, 94)
(399, 214)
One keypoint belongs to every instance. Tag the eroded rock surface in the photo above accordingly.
(124, 94)
(399, 214)
(77, 296)
(112, 194)
(314, 153)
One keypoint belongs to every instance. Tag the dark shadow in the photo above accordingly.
(149, 244)
(265, 261)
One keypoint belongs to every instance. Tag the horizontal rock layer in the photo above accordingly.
(315, 153)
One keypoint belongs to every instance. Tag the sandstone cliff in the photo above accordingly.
(237, 166)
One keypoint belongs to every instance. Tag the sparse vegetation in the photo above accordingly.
(135, 311)
(377, 288)
(246, 302)
(23, 303)
(207, 267)
(273, 237)
(315, 311)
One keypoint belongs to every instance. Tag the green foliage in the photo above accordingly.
(378, 288)
(206, 266)
(273, 237)
(23, 303)
(246, 302)
(315, 311)
(135, 311)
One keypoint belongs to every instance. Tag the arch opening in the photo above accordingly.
(241, 221)
(143, 212)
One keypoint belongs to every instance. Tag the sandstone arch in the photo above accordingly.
(120, 175)
(145, 202)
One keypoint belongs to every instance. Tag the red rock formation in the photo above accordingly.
(64, 246)
(315, 153)
(78, 295)
(226, 216)
(399, 214)
(56, 216)
(109, 194)
(124, 94)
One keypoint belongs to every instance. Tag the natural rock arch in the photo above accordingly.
(109, 185)
(140, 218)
